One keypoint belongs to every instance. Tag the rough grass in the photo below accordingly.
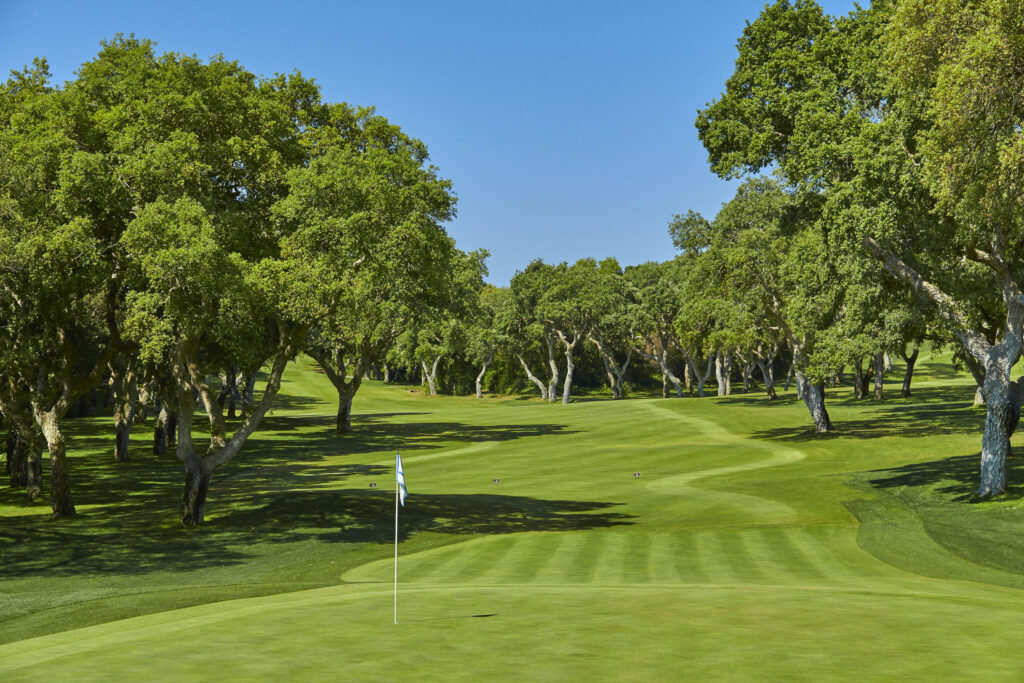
(746, 549)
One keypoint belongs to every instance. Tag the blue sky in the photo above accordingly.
(566, 127)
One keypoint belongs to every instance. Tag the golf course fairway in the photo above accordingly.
(745, 549)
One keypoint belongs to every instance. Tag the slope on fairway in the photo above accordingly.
(730, 556)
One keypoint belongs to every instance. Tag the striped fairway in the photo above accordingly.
(732, 557)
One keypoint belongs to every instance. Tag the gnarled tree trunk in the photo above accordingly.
(701, 378)
(813, 394)
(995, 442)
(768, 374)
(431, 374)
(612, 369)
(540, 385)
(570, 348)
(60, 480)
(483, 371)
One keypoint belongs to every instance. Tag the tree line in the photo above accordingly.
(180, 230)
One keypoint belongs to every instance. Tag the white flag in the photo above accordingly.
(400, 478)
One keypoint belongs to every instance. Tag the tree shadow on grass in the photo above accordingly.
(376, 433)
(283, 487)
(956, 477)
(935, 411)
(125, 542)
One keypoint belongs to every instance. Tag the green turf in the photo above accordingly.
(747, 548)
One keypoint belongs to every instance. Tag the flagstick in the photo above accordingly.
(396, 550)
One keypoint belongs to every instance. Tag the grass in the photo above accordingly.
(746, 549)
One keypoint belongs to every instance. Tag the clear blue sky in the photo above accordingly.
(566, 127)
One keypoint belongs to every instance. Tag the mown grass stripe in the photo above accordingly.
(661, 561)
(531, 552)
(588, 557)
(480, 557)
(687, 562)
(634, 562)
(609, 562)
(817, 554)
(748, 560)
(715, 556)
(430, 567)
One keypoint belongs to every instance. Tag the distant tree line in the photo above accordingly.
(894, 213)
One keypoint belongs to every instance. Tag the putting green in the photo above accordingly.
(736, 554)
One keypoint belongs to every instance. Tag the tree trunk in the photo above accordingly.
(748, 370)
(567, 388)
(60, 480)
(768, 375)
(814, 398)
(431, 375)
(609, 374)
(34, 467)
(977, 371)
(193, 500)
(247, 393)
(570, 347)
(879, 375)
(480, 377)
(789, 378)
(687, 375)
(17, 460)
(702, 378)
(910, 360)
(667, 374)
(995, 442)
(620, 373)
(859, 381)
(612, 369)
(172, 427)
(230, 390)
(540, 385)
(700, 382)
(553, 364)
(122, 380)
(720, 375)
(344, 424)
(160, 429)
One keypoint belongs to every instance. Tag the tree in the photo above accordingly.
(485, 337)
(612, 300)
(567, 309)
(905, 119)
(53, 270)
(409, 278)
(524, 322)
(257, 211)
(655, 313)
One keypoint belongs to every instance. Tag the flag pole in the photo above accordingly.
(396, 548)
